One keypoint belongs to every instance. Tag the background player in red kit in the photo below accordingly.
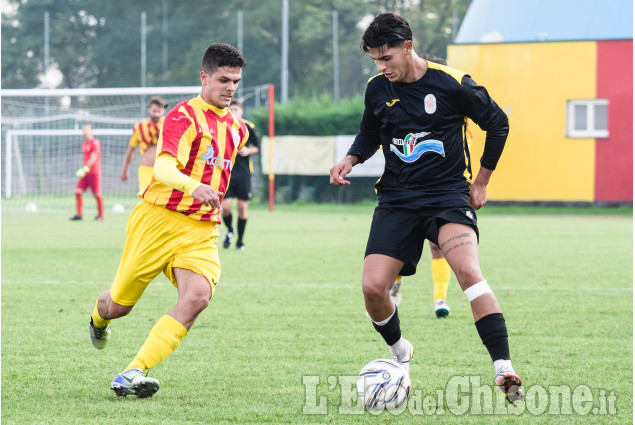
(90, 174)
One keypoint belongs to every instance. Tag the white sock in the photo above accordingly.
(503, 364)
(398, 347)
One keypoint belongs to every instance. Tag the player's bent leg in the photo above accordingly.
(458, 243)
(105, 311)
(380, 272)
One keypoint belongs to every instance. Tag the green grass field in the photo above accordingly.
(290, 310)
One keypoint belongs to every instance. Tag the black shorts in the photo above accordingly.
(400, 232)
(239, 187)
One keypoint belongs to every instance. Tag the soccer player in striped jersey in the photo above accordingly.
(417, 110)
(89, 175)
(145, 136)
(174, 228)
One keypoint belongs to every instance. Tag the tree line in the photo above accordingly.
(95, 43)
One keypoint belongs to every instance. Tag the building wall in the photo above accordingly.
(614, 155)
(532, 82)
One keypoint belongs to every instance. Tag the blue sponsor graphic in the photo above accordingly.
(420, 149)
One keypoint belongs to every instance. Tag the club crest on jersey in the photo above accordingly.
(412, 150)
(211, 159)
(430, 104)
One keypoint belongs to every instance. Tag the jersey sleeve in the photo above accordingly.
(179, 130)
(368, 139)
(476, 103)
(244, 132)
(253, 136)
(136, 137)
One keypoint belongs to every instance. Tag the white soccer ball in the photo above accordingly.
(383, 384)
(118, 209)
(31, 207)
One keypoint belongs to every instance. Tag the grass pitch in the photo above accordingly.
(286, 329)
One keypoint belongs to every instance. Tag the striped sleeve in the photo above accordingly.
(178, 126)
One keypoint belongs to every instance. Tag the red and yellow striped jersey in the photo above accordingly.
(145, 133)
(204, 140)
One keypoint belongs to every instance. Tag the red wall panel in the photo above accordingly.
(614, 155)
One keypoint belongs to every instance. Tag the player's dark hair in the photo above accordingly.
(219, 55)
(387, 29)
(237, 102)
(433, 58)
(156, 100)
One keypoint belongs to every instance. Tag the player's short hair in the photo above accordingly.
(219, 55)
(90, 124)
(387, 29)
(156, 100)
(237, 102)
(435, 59)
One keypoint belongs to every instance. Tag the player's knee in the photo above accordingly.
(468, 272)
(373, 291)
(198, 302)
(117, 310)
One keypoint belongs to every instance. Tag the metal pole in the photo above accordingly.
(165, 40)
(284, 83)
(143, 58)
(336, 59)
(47, 42)
(272, 186)
(240, 48)
(455, 22)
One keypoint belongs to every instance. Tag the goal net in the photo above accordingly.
(42, 142)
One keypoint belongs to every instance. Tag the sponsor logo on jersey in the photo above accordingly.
(210, 158)
(430, 104)
(392, 102)
(411, 150)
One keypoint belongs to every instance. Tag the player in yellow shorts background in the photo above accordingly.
(145, 136)
(174, 228)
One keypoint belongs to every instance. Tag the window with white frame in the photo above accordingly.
(588, 118)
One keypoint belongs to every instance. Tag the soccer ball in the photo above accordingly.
(383, 384)
(31, 207)
(118, 209)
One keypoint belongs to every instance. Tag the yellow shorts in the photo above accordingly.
(145, 175)
(158, 240)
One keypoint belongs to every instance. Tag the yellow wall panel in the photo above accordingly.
(532, 82)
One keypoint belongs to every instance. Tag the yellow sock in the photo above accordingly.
(97, 320)
(440, 277)
(164, 338)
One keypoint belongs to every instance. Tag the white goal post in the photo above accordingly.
(42, 137)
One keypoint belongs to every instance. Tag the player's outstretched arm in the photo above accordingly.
(341, 170)
(126, 163)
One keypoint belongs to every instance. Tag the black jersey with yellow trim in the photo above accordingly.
(242, 164)
(422, 129)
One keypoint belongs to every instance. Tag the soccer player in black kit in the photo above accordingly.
(240, 183)
(417, 111)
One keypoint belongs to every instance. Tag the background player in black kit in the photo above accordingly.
(240, 183)
(417, 112)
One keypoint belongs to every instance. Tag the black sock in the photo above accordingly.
(242, 222)
(391, 332)
(493, 333)
(228, 222)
